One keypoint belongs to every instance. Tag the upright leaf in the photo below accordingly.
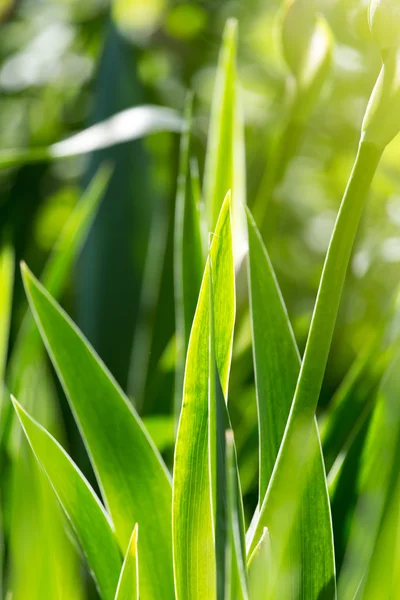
(36, 518)
(194, 554)
(236, 571)
(227, 509)
(188, 256)
(277, 365)
(128, 585)
(293, 464)
(260, 568)
(225, 158)
(129, 469)
(89, 520)
(6, 291)
(6, 287)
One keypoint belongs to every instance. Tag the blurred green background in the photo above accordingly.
(65, 64)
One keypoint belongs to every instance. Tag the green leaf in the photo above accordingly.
(225, 158)
(188, 256)
(36, 517)
(297, 449)
(194, 554)
(129, 469)
(6, 287)
(378, 469)
(128, 585)
(236, 571)
(127, 125)
(277, 365)
(227, 509)
(6, 292)
(89, 520)
(260, 569)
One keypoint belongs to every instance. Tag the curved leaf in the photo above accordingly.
(194, 553)
(129, 469)
(88, 518)
(277, 365)
(128, 585)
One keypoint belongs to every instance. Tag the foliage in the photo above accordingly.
(226, 470)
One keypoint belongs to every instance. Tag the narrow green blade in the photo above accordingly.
(277, 365)
(188, 256)
(88, 518)
(36, 518)
(236, 571)
(6, 288)
(6, 293)
(227, 509)
(260, 569)
(130, 471)
(128, 585)
(194, 554)
(225, 158)
(379, 465)
(217, 425)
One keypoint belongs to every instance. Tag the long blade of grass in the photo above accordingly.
(378, 467)
(194, 555)
(89, 520)
(188, 256)
(295, 450)
(6, 292)
(236, 570)
(129, 469)
(225, 158)
(217, 425)
(36, 518)
(127, 125)
(128, 585)
(277, 365)
(227, 509)
(6, 287)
